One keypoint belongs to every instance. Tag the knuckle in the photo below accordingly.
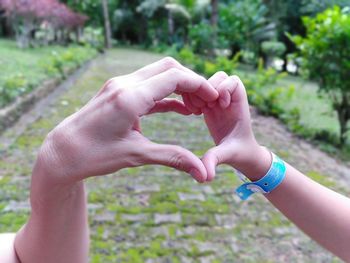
(170, 62)
(117, 98)
(178, 159)
(109, 85)
(221, 74)
(174, 71)
(235, 78)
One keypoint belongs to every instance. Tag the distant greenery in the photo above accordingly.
(294, 101)
(22, 71)
(325, 53)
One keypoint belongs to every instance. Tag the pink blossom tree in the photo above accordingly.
(28, 15)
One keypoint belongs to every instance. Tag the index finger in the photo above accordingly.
(158, 67)
(162, 85)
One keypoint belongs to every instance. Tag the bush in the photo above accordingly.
(201, 37)
(55, 65)
(188, 57)
(273, 48)
(12, 87)
(325, 56)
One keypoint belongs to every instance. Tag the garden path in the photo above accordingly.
(157, 214)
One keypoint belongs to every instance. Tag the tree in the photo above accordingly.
(214, 21)
(107, 24)
(28, 15)
(325, 53)
(245, 25)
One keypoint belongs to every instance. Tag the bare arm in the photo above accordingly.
(102, 137)
(320, 212)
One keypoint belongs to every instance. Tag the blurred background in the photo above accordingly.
(266, 42)
(294, 59)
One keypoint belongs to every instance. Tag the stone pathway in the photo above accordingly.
(156, 214)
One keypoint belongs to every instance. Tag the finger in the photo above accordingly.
(162, 85)
(215, 156)
(189, 104)
(170, 105)
(217, 78)
(176, 157)
(212, 104)
(231, 90)
(165, 83)
(158, 67)
(196, 101)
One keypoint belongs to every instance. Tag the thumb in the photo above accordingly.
(213, 157)
(176, 157)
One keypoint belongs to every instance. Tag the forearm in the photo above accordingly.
(320, 212)
(57, 230)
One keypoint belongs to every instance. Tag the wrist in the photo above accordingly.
(51, 165)
(256, 164)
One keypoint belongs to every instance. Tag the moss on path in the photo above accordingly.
(157, 214)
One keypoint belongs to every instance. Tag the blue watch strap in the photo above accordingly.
(266, 184)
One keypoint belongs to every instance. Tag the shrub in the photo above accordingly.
(201, 36)
(273, 48)
(325, 56)
(12, 87)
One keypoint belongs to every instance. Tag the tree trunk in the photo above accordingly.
(343, 111)
(170, 26)
(107, 24)
(214, 23)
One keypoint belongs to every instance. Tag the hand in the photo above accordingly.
(105, 135)
(229, 124)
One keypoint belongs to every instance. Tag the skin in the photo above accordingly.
(57, 230)
(102, 137)
(321, 213)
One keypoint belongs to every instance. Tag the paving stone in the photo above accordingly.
(206, 246)
(14, 206)
(94, 206)
(144, 188)
(134, 218)
(191, 197)
(226, 221)
(208, 259)
(207, 189)
(190, 230)
(185, 260)
(167, 218)
(106, 216)
(159, 231)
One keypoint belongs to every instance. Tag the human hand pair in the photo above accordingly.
(105, 135)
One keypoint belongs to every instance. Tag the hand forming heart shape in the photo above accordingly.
(105, 135)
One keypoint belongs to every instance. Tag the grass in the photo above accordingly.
(24, 69)
(316, 113)
(316, 109)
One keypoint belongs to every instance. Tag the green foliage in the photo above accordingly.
(228, 65)
(273, 48)
(188, 57)
(12, 87)
(262, 93)
(25, 70)
(325, 53)
(93, 36)
(245, 25)
(201, 36)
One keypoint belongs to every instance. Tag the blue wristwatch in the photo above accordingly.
(266, 184)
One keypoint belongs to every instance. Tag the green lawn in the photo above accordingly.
(316, 110)
(21, 70)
